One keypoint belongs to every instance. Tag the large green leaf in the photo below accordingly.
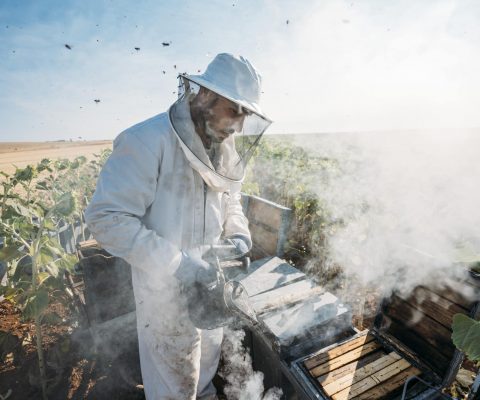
(10, 293)
(467, 253)
(42, 185)
(466, 336)
(62, 164)
(22, 210)
(65, 205)
(24, 228)
(46, 256)
(25, 174)
(9, 253)
(476, 268)
(42, 277)
(52, 270)
(37, 210)
(50, 225)
(9, 212)
(22, 269)
(81, 159)
(44, 165)
(54, 246)
(67, 261)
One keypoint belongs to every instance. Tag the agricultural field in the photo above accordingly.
(21, 154)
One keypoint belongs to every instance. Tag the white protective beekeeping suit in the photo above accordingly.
(155, 197)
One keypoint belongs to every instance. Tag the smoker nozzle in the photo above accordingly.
(236, 300)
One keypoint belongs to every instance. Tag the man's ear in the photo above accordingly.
(205, 97)
(206, 93)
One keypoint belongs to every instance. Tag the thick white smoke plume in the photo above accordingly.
(405, 204)
(242, 382)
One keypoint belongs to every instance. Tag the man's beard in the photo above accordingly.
(212, 133)
(204, 125)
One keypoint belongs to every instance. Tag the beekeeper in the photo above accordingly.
(170, 187)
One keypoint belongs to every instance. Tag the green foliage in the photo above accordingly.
(290, 175)
(8, 253)
(35, 202)
(466, 336)
(65, 205)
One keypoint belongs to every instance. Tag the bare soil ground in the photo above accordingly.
(21, 154)
(73, 370)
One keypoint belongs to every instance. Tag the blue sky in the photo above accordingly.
(336, 66)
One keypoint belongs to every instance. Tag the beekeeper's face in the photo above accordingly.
(221, 117)
(224, 118)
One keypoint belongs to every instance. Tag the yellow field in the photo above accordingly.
(21, 154)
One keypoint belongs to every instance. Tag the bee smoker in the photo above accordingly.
(222, 301)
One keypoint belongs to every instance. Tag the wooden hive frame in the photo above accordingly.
(411, 337)
(269, 223)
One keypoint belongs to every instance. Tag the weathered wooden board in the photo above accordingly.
(271, 265)
(417, 327)
(284, 295)
(337, 351)
(269, 275)
(265, 240)
(388, 387)
(268, 224)
(351, 368)
(357, 375)
(461, 292)
(437, 335)
(370, 381)
(359, 367)
(424, 350)
(320, 313)
(344, 359)
(264, 213)
(435, 306)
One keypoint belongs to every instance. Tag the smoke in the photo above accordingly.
(404, 208)
(372, 65)
(242, 382)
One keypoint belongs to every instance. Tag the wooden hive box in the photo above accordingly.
(411, 338)
(108, 283)
(269, 223)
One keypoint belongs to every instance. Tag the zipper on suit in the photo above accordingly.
(204, 208)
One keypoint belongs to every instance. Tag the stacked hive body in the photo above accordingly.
(411, 338)
(268, 223)
(359, 368)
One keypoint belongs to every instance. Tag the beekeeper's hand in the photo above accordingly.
(240, 244)
(194, 269)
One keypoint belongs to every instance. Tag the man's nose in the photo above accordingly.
(236, 126)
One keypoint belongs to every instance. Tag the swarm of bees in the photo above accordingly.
(164, 44)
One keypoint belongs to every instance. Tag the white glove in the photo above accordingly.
(193, 269)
